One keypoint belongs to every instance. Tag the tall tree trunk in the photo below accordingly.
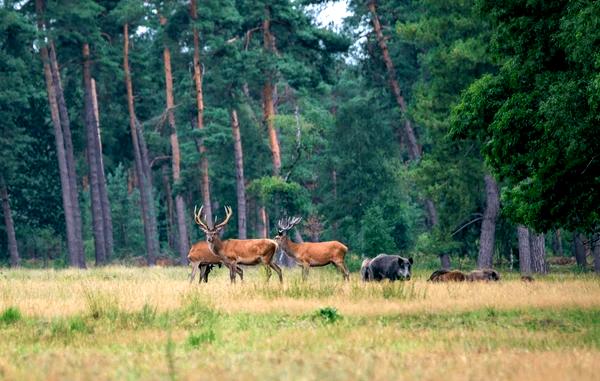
(524, 250)
(596, 252)
(72, 245)
(538, 253)
(144, 183)
(70, 156)
(414, 150)
(200, 118)
(182, 242)
(557, 245)
(106, 212)
(579, 250)
(92, 147)
(267, 96)
(262, 221)
(15, 260)
(488, 226)
(239, 175)
(408, 132)
(170, 208)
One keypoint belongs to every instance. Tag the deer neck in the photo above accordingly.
(289, 246)
(216, 246)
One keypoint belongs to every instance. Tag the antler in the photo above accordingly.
(288, 223)
(228, 214)
(198, 218)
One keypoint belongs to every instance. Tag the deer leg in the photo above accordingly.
(195, 266)
(205, 272)
(268, 270)
(240, 272)
(232, 271)
(343, 269)
(305, 268)
(277, 269)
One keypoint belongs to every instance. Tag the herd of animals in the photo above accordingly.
(231, 253)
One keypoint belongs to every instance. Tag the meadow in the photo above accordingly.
(150, 323)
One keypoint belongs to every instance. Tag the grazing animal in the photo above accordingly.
(385, 266)
(364, 270)
(234, 252)
(483, 275)
(203, 260)
(459, 276)
(311, 254)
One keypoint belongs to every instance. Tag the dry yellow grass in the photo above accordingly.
(64, 292)
(545, 330)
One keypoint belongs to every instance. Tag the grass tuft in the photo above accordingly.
(327, 315)
(10, 315)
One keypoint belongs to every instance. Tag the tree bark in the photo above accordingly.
(414, 150)
(15, 260)
(182, 242)
(267, 96)
(239, 175)
(524, 250)
(205, 184)
(579, 250)
(538, 253)
(262, 221)
(557, 245)
(408, 132)
(106, 212)
(488, 226)
(144, 183)
(67, 199)
(170, 208)
(596, 253)
(70, 156)
(92, 147)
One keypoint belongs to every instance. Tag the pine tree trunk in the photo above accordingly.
(205, 185)
(92, 146)
(267, 97)
(557, 245)
(414, 150)
(524, 250)
(15, 260)
(408, 132)
(144, 183)
(262, 222)
(488, 226)
(70, 156)
(72, 245)
(170, 208)
(596, 253)
(538, 253)
(239, 175)
(106, 212)
(579, 250)
(182, 242)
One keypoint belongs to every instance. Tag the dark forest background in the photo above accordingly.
(457, 132)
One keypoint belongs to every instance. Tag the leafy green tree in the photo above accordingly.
(537, 118)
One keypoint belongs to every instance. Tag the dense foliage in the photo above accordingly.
(521, 78)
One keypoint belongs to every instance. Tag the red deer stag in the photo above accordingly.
(202, 259)
(234, 252)
(311, 254)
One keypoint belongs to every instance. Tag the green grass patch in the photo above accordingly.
(10, 315)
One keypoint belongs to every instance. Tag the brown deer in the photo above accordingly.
(311, 254)
(234, 252)
(203, 260)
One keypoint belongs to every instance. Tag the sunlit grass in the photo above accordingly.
(150, 323)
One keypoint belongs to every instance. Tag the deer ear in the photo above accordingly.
(410, 260)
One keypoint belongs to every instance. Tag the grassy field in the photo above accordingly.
(150, 323)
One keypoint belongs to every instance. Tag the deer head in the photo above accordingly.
(212, 234)
(284, 225)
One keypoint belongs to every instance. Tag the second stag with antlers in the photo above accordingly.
(311, 254)
(236, 252)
